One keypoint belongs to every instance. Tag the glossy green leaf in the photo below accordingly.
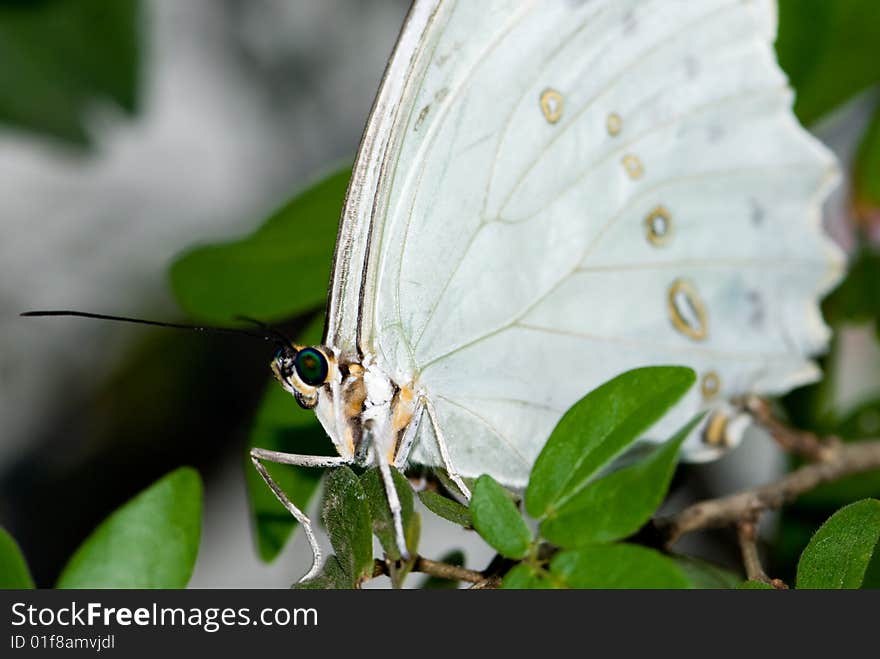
(526, 577)
(278, 272)
(54, 68)
(597, 428)
(446, 508)
(497, 520)
(618, 504)
(617, 566)
(829, 51)
(383, 521)
(346, 516)
(14, 571)
(755, 585)
(150, 542)
(455, 557)
(331, 577)
(704, 575)
(841, 551)
(872, 573)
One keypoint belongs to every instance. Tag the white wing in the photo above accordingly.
(566, 190)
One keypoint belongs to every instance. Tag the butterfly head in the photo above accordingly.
(303, 371)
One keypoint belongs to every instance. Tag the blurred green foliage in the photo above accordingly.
(278, 272)
(828, 48)
(59, 58)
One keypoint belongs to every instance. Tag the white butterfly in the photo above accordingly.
(547, 194)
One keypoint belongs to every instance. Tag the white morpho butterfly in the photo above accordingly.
(549, 193)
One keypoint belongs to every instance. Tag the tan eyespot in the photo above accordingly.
(551, 105)
(633, 166)
(710, 384)
(715, 433)
(686, 310)
(658, 226)
(614, 124)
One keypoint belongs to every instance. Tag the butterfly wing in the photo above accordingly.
(564, 190)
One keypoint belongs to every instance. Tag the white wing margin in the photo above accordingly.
(580, 188)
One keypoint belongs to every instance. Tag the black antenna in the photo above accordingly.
(266, 328)
(274, 336)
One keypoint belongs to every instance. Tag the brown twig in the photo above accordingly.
(842, 460)
(747, 534)
(435, 569)
(799, 442)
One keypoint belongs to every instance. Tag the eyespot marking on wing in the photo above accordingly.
(686, 310)
(614, 124)
(551, 105)
(658, 226)
(710, 384)
(633, 166)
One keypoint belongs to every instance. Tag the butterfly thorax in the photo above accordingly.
(357, 403)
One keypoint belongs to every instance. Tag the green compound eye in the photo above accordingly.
(311, 366)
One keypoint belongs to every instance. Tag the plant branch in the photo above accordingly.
(746, 533)
(435, 569)
(841, 460)
(800, 442)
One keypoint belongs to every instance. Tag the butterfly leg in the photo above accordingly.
(444, 451)
(393, 502)
(258, 454)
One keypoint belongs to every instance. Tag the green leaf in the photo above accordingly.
(331, 577)
(14, 573)
(346, 516)
(278, 272)
(597, 428)
(383, 520)
(703, 575)
(828, 50)
(54, 69)
(617, 566)
(150, 542)
(872, 573)
(618, 504)
(446, 508)
(755, 585)
(455, 557)
(840, 552)
(497, 520)
(526, 577)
